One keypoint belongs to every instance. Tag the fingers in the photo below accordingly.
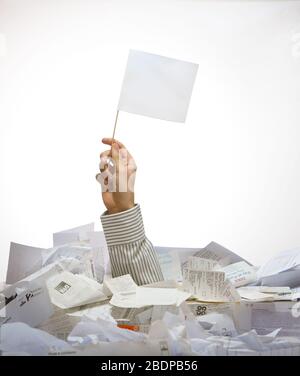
(122, 147)
(132, 167)
(106, 153)
(105, 160)
(107, 163)
(98, 177)
(120, 156)
(110, 141)
(115, 154)
(107, 181)
(116, 164)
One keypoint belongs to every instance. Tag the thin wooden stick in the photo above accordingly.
(117, 115)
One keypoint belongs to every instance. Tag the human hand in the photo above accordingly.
(117, 177)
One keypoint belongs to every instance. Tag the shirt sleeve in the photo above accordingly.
(130, 251)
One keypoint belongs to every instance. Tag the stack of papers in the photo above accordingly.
(63, 301)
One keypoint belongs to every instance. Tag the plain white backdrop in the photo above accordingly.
(229, 174)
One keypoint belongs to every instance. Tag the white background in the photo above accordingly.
(230, 174)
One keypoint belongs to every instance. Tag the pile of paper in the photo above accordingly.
(210, 274)
(63, 301)
(68, 275)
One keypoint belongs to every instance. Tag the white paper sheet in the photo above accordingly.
(169, 284)
(229, 293)
(289, 278)
(125, 300)
(269, 316)
(147, 296)
(254, 295)
(23, 261)
(296, 293)
(78, 259)
(173, 259)
(159, 311)
(99, 311)
(221, 324)
(240, 273)
(68, 290)
(278, 293)
(75, 234)
(157, 86)
(19, 337)
(3, 286)
(194, 330)
(205, 285)
(90, 331)
(29, 302)
(222, 255)
(284, 261)
(60, 324)
(274, 290)
(150, 348)
(170, 264)
(101, 261)
(120, 284)
(44, 273)
(199, 263)
(85, 251)
(143, 317)
(151, 296)
(182, 296)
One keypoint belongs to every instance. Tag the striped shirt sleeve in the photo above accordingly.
(129, 250)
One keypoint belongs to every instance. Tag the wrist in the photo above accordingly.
(121, 209)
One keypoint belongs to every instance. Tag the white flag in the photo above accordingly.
(157, 86)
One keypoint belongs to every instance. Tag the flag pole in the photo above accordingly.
(116, 120)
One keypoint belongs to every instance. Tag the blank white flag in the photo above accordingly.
(157, 86)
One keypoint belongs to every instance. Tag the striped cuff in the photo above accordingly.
(124, 227)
